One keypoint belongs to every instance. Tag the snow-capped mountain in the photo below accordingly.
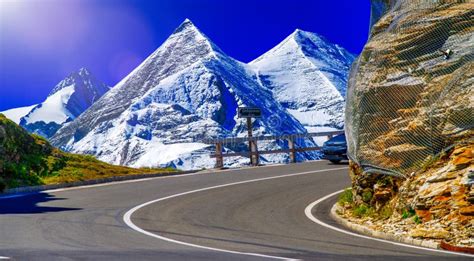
(68, 99)
(308, 76)
(186, 91)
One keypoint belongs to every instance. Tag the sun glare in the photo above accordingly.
(10, 9)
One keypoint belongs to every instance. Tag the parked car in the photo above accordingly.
(335, 149)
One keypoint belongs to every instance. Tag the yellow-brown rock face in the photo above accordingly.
(411, 91)
(410, 119)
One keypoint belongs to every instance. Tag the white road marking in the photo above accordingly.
(142, 179)
(98, 185)
(158, 177)
(309, 214)
(128, 215)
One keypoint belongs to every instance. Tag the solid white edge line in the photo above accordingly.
(127, 216)
(204, 172)
(309, 215)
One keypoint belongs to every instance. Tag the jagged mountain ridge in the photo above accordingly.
(187, 90)
(88, 89)
(308, 75)
(68, 99)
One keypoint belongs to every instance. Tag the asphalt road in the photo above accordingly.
(264, 217)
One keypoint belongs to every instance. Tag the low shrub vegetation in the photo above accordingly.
(367, 196)
(408, 213)
(417, 220)
(28, 160)
(363, 209)
(345, 197)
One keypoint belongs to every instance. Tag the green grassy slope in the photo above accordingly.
(27, 160)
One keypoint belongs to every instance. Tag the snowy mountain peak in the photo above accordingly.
(310, 45)
(186, 24)
(68, 99)
(81, 79)
(299, 35)
(304, 38)
(313, 44)
(307, 75)
(186, 47)
(84, 71)
(186, 90)
(189, 36)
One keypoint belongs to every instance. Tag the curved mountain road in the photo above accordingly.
(257, 211)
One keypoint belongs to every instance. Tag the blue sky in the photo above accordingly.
(42, 41)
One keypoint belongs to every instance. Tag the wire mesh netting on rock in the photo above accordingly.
(411, 91)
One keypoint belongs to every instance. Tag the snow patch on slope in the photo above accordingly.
(154, 155)
(53, 109)
(68, 99)
(17, 113)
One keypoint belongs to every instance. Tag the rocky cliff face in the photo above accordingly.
(409, 117)
(407, 99)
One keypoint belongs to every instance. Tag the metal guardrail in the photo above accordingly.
(236, 140)
(254, 152)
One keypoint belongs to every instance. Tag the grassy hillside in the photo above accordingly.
(28, 160)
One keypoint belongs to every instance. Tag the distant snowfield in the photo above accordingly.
(311, 117)
(53, 109)
(158, 153)
(17, 113)
(320, 140)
